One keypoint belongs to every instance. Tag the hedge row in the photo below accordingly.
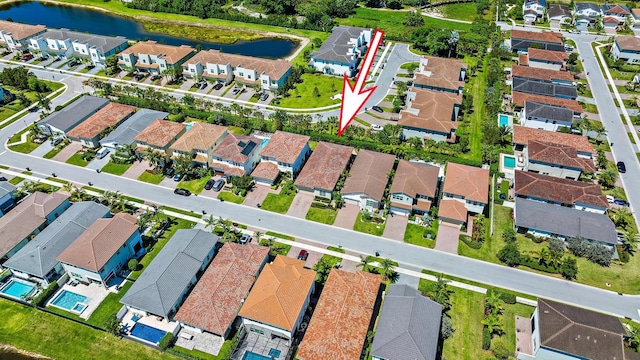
(41, 298)
(472, 244)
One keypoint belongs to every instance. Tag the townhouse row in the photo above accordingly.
(582, 14)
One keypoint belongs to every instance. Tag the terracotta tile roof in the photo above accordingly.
(20, 31)
(555, 189)
(285, 147)
(369, 174)
(110, 115)
(558, 154)
(201, 136)
(547, 55)
(523, 60)
(435, 111)
(421, 204)
(540, 74)
(339, 325)
(522, 135)
(215, 301)
(519, 99)
(26, 217)
(616, 9)
(280, 293)
(452, 209)
(628, 42)
(172, 54)
(93, 249)
(274, 68)
(611, 20)
(266, 170)
(544, 36)
(440, 73)
(324, 166)
(228, 169)
(636, 13)
(401, 205)
(468, 181)
(414, 179)
(237, 148)
(160, 133)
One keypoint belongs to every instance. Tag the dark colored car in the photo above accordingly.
(2, 178)
(209, 184)
(27, 57)
(410, 83)
(620, 202)
(183, 192)
(73, 63)
(169, 172)
(377, 108)
(202, 86)
(155, 77)
(264, 97)
(217, 86)
(303, 255)
(244, 239)
(621, 167)
(177, 177)
(139, 77)
(217, 186)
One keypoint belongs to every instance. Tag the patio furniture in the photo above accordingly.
(186, 336)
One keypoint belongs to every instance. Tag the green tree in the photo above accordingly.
(44, 102)
(504, 134)
(510, 254)
(188, 100)
(77, 194)
(622, 217)
(509, 235)
(493, 303)
(112, 324)
(607, 178)
(111, 64)
(494, 324)
(132, 264)
(155, 159)
(364, 263)
(322, 269)
(413, 18)
(568, 268)
(630, 240)
(441, 293)
(183, 164)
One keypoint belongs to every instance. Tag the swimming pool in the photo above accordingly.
(70, 301)
(18, 289)
(503, 120)
(188, 127)
(253, 356)
(264, 142)
(509, 162)
(148, 333)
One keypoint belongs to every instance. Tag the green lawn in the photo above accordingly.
(148, 177)
(277, 202)
(195, 186)
(230, 197)
(109, 306)
(282, 236)
(462, 11)
(333, 260)
(277, 247)
(477, 87)
(325, 216)
(115, 169)
(368, 227)
(15, 180)
(413, 235)
(76, 159)
(181, 211)
(303, 94)
(52, 153)
(33, 330)
(26, 147)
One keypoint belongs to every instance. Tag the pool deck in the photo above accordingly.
(509, 172)
(260, 344)
(205, 342)
(94, 292)
(149, 320)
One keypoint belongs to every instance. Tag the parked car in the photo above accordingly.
(622, 168)
(27, 57)
(610, 199)
(244, 239)
(155, 77)
(217, 86)
(264, 96)
(73, 63)
(202, 86)
(303, 255)
(169, 172)
(376, 127)
(410, 83)
(139, 77)
(177, 177)
(2, 178)
(620, 202)
(209, 184)
(218, 185)
(377, 108)
(183, 192)
(102, 153)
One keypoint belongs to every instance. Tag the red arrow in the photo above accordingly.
(353, 97)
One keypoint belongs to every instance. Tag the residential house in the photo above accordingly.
(559, 13)
(90, 131)
(37, 260)
(149, 56)
(199, 142)
(68, 44)
(27, 219)
(164, 284)
(440, 74)
(103, 250)
(530, 16)
(340, 54)
(368, 178)
(586, 13)
(15, 36)
(547, 59)
(323, 169)
(635, 13)
(521, 40)
(345, 313)
(561, 331)
(620, 12)
(611, 22)
(548, 220)
(408, 327)
(236, 155)
(522, 135)
(538, 7)
(221, 67)
(214, 303)
(279, 299)
(159, 136)
(579, 195)
(285, 152)
(546, 117)
(414, 188)
(537, 87)
(7, 197)
(559, 160)
(430, 115)
(546, 75)
(62, 121)
(465, 190)
(519, 99)
(126, 132)
(627, 48)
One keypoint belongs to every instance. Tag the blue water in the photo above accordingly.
(188, 127)
(275, 353)
(67, 300)
(148, 333)
(135, 318)
(96, 22)
(509, 162)
(18, 289)
(264, 142)
(503, 120)
(253, 356)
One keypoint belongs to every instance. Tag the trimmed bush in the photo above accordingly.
(486, 338)
(472, 244)
(508, 298)
(166, 341)
(42, 298)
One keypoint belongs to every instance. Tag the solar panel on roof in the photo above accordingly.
(241, 144)
(248, 148)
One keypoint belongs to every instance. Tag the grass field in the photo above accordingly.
(278, 203)
(24, 148)
(115, 169)
(52, 153)
(462, 11)
(303, 94)
(148, 177)
(15, 180)
(477, 85)
(76, 159)
(195, 186)
(325, 216)
(368, 227)
(413, 235)
(231, 197)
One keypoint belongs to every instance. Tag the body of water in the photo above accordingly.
(101, 23)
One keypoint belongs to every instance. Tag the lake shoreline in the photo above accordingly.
(19, 354)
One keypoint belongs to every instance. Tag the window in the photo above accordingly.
(241, 73)
(370, 203)
(257, 331)
(264, 81)
(397, 197)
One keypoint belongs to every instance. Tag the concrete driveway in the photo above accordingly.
(300, 205)
(246, 95)
(395, 228)
(311, 259)
(447, 239)
(137, 169)
(41, 150)
(68, 150)
(347, 216)
(257, 196)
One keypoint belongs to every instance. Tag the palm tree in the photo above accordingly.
(493, 302)
(504, 134)
(387, 267)
(621, 216)
(44, 102)
(67, 187)
(77, 194)
(258, 235)
(607, 178)
(542, 255)
(630, 240)
(364, 263)
(210, 222)
(29, 187)
(440, 293)
(154, 158)
(494, 324)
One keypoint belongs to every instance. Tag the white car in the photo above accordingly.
(610, 199)
(102, 153)
(376, 127)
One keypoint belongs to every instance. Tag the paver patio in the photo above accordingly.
(347, 216)
(395, 228)
(258, 194)
(311, 259)
(447, 239)
(68, 150)
(300, 205)
(137, 169)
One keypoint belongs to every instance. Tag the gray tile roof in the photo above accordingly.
(6, 188)
(335, 48)
(544, 88)
(104, 44)
(555, 219)
(545, 111)
(409, 326)
(125, 133)
(72, 115)
(559, 10)
(38, 257)
(166, 279)
(587, 5)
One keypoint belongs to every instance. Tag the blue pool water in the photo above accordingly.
(275, 353)
(509, 162)
(148, 333)
(68, 300)
(253, 356)
(18, 289)
(188, 127)
(503, 120)
(264, 142)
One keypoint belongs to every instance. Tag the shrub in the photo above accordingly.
(510, 255)
(501, 349)
(112, 324)
(568, 268)
(507, 297)
(599, 254)
(166, 341)
(133, 264)
(486, 338)
(578, 246)
(556, 245)
(531, 263)
(509, 235)
(538, 240)
(624, 255)
(472, 244)
(42, 298)
(446, 327)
